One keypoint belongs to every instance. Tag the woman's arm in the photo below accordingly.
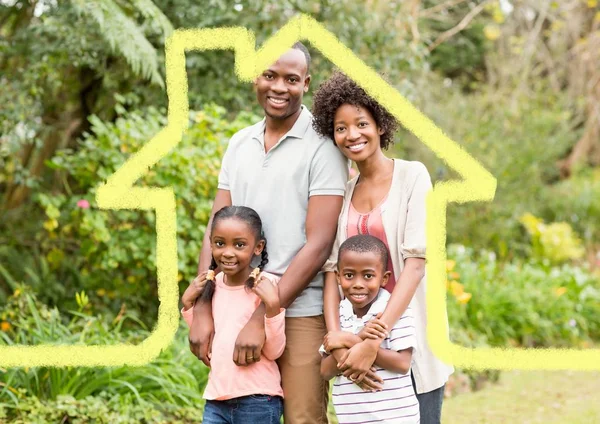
(331, 302)
(413, 247)
(406, 286)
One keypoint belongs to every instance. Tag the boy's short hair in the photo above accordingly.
(364, 243)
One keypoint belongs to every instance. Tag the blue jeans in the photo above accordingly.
(253, 409)
(430, 404)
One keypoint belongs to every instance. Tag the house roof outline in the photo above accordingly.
(118, 192)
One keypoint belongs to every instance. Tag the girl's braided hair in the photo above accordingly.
(250, 217)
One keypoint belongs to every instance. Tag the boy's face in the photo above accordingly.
(361, 275)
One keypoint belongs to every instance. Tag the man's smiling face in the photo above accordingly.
(280, 88)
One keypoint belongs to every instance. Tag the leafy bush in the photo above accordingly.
(517, 137)
(99, 409)
(576, 201)
(520, 303)
(175, 378)
(111, 254)
(554, 242)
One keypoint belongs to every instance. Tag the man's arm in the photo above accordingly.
(321, 226)
(331, 302)
(202, 328)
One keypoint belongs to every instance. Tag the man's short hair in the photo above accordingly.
(299, 46)
(363, 244)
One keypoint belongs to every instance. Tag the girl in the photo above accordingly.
(234, 394)
(387, 200)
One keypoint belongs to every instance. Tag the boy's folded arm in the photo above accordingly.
(274, 336)
(395, 361)
(329, 368)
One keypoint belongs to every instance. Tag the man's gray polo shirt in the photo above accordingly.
(278, 184)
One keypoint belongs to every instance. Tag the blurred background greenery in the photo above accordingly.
(514, 82)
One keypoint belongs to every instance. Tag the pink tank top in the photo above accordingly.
(372, 224)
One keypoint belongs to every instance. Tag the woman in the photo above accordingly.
(386, 199)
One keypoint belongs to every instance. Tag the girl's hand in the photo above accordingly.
(374, 329)
(193, 291)
(269, 294)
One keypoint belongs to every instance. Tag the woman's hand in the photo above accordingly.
(338, 340)
(374, 329)
(193, 291)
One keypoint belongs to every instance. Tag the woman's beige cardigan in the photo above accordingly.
(403, 215)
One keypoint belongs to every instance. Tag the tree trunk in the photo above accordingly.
(16, 195)
(63, 128)
(585, 79)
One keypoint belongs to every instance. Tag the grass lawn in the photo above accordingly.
(530, 397)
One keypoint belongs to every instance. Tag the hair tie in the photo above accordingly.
(254, 274)
(210, 275)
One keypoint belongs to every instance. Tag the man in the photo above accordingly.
(295, 180)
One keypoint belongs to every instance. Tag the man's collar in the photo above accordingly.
(298, 130)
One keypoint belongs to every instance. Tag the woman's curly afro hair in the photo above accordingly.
(339, 90)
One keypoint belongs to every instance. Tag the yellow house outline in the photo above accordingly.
(118, 192)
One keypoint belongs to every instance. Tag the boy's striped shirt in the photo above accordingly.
(397, 402)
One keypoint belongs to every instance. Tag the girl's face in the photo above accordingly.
(356, 133)
(233, 246)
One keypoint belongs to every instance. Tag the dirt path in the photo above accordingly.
(530, 397)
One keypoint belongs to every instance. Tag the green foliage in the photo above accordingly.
(517, 138)
(358, 25)
(520, 303)
(112, 253)
(175, 378)
(122, 33)
(576, 201)
(101, 409)
(553, 242)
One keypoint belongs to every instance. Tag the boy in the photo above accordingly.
(361, 273)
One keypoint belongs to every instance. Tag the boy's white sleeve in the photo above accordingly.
(403, 334)
(323, 352)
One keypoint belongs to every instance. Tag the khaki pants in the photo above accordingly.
(305, 392)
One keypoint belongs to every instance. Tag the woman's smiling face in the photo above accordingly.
(356, 133)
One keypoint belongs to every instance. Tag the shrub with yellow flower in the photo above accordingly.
(555, 241)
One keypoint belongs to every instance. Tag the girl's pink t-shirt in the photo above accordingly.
(232, 307)
(372, 224)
